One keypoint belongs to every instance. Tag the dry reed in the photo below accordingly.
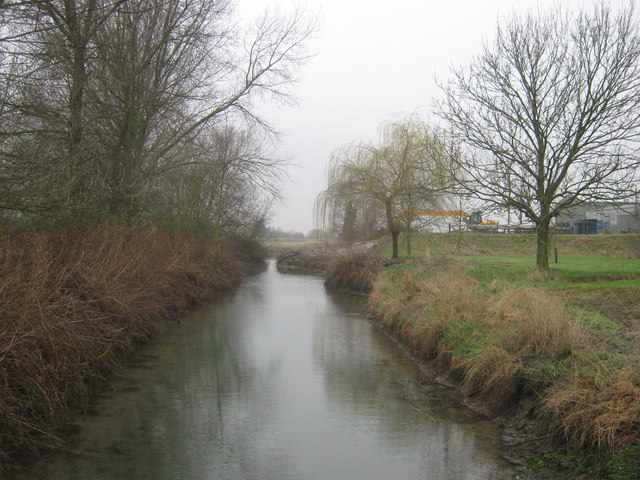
(600, 417)
(73, 306)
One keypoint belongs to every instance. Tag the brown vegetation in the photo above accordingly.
(310, 260)
(73, 305)
(597, 416)
(356, 272)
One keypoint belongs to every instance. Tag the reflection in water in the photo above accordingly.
(277, 380)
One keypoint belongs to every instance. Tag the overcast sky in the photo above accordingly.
(374, 60)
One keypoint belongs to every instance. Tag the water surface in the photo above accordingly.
(277, 380)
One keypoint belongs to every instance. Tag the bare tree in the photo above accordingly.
(154, 57)
(173, 67)
(112, 93)
(550, 114)
(228, 190)
(50, 45)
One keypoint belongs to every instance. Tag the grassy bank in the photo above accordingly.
(520, 345)
(561, 350)
(73, 306)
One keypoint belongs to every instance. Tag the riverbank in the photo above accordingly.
(545, 355)
(73, 308)
(318, 258)
(555, 375)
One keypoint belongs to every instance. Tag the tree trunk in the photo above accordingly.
(392, 226)
(78, 43)
(349, 222)
(394, 240)
(542, 254)
(76, 100)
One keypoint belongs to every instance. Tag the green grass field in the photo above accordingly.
(568, 269)
(482, 244)
(595, 272)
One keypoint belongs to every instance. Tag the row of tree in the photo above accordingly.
(140, 110)
(545, 118)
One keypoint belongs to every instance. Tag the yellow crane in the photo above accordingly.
(444, 213)
(474, 218)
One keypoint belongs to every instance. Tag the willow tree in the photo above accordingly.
(550, 114)
(401, 173)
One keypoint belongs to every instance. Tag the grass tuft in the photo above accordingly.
(596, 416)
(533, 322)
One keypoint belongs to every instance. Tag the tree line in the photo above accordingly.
(141, 110)
(545, 118)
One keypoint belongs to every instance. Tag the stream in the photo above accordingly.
(277, 379)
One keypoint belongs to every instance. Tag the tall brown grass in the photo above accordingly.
(74, 305)
(601, 417)
(510, 344)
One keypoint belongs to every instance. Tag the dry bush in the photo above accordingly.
(533, 322)
(73, 306)
(597, 418)
(356, 271)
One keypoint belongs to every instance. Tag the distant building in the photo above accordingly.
(602, 218)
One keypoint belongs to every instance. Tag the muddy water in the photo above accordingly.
(277, 380)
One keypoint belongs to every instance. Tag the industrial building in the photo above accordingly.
(600, 218)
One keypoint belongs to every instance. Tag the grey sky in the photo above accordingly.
(374, 59)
